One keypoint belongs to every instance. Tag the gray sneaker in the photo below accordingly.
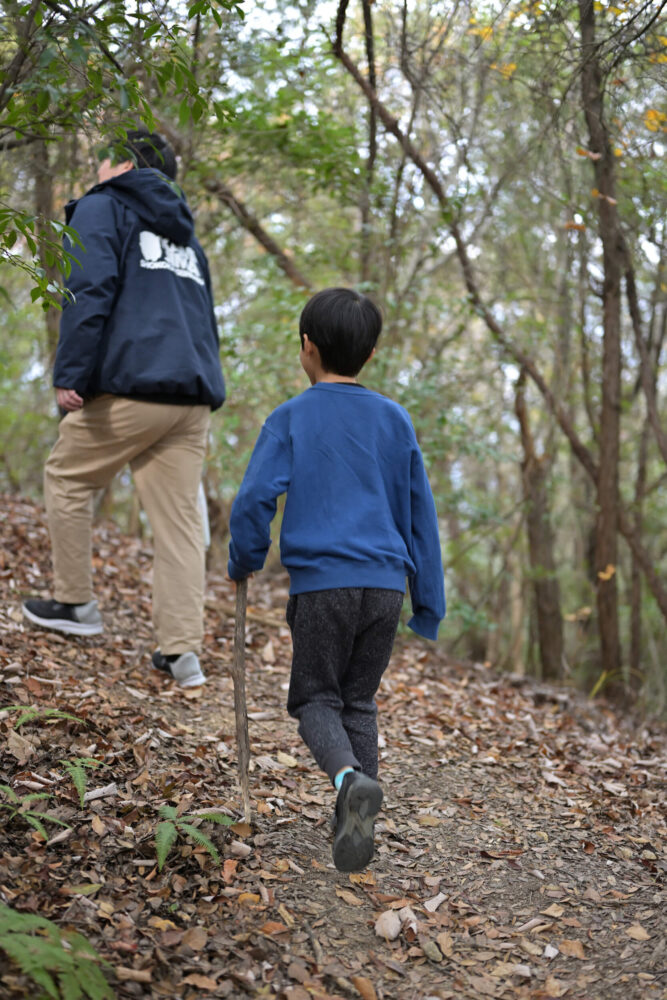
(72, 619)
(185, 669)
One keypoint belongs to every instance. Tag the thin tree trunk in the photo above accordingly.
(44, 210)
(546, 589)
(606, 548)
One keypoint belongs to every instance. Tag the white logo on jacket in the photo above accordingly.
(159, 253)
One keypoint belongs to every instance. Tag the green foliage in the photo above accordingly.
(76, 769)
(20, 808)
(30, 713)
(61, 963)
(173, 826)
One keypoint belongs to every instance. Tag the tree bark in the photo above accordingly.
(546, 589)
(602, 158)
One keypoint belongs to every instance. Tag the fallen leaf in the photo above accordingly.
(364, 987)
(637, 933)
(554, 910)
(196, 937)
(349, 897)
(202, 982)
(133, 975)
(555, 987)
(286, 759)
(571, 948)
(432, 904)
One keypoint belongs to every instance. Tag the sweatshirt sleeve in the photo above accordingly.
(266, 478)
(427, 585)
(92, 284)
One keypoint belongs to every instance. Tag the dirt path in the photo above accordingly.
(520, 851)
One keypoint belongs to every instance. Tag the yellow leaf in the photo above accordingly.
(427, 820)
(606, 574)
(349, 897)
(161, 924)
(364, 987)
(248, 897)
(286, 759)
(362, 878)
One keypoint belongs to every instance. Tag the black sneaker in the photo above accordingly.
(357, 805)
(183, 667)
(73, 619)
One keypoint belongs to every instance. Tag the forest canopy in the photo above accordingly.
(492, 174)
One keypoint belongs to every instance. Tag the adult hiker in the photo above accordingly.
(137, 374)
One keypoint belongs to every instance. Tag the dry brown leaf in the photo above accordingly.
(445, 943)
(286, 759)
(637, 933)
(202, 982)
(195, 938)
(364, 987)
(349, 897)
(555, 987)
(571, 948)
(133, 975)
(555, 910)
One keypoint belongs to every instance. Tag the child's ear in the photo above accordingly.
(372, 354)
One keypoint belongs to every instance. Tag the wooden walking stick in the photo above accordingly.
(240, 709)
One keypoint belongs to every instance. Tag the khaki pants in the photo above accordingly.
(165, 447)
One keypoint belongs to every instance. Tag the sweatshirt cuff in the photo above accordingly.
(424, 625)
(236, 573)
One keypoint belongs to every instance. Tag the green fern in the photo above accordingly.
(173, 825)
(31, 712)
(76, 768)
(63, 963)
(21, 807)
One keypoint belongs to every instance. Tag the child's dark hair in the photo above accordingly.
(344, 325)
(147, 149)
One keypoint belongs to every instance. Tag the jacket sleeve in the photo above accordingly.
(92, 284)
(427, 585)
(266, 478)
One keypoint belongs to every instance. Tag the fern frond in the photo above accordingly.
(201, 839)
(213, 817)
(165, 835)
(36, 824)
(168, 812)
(9, 792)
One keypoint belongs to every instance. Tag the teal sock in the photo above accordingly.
(338, 780)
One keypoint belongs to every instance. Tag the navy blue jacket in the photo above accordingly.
(359, 510)
(141, 322)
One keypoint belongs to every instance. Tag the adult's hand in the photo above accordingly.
(68, 399)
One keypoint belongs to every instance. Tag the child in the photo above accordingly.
(359, 518)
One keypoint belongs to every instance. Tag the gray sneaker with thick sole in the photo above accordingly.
(72, 619)
(184, 669)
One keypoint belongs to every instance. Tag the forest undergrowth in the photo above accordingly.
(520, 852)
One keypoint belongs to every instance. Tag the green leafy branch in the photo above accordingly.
(62, 963)
(173, 826)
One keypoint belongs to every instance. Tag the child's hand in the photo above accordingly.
(229, 579)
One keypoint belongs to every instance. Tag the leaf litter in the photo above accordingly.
(520, 852)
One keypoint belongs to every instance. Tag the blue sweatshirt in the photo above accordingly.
(359, 510)
(141, 321)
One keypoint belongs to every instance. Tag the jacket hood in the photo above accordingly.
(154, 198)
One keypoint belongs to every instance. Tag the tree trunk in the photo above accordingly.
(606, 548)
(546, 590)
(45, 210)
